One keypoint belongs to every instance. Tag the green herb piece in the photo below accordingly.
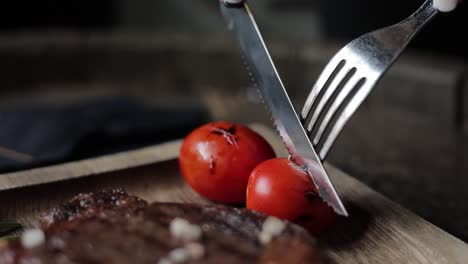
(10, 237)
(7, 229)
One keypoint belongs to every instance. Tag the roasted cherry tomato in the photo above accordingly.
(280, 188)
(217, 159)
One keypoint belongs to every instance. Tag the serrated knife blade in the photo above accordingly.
(239, 19)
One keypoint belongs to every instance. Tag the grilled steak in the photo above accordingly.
(112, 227)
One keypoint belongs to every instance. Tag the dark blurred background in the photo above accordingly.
(85, 78)
(287, 20)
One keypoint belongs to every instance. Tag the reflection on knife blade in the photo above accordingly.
(240, 19)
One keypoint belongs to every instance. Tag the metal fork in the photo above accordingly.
(352, 73)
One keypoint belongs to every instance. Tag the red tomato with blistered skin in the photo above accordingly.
(216, 160)
(280, 188)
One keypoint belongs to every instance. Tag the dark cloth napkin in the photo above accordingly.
(40, 135)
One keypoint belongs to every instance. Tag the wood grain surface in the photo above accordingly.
(377, 231)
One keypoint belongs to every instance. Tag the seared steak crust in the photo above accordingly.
(104, 204)
(116, 228)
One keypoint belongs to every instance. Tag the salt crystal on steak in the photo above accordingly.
(271, 227)
(32, 238)
(182, 229)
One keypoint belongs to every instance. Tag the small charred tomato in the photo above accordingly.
(217, 159)
(280, 188)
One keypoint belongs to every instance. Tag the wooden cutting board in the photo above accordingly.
(377, 231)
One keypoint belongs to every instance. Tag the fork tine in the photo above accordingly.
(353, 82)
(324, 79)
(346, 114)
(374, 53)
(340, 80)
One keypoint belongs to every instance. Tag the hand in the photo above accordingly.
(445, 5)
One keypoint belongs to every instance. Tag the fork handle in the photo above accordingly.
(418, 19)
(398, 36)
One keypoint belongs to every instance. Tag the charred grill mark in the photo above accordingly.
(310, 195)
(228, 134)
(217, 131)
(212, 165)
(232, 130)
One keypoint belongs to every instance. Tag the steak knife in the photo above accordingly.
(240, 20)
